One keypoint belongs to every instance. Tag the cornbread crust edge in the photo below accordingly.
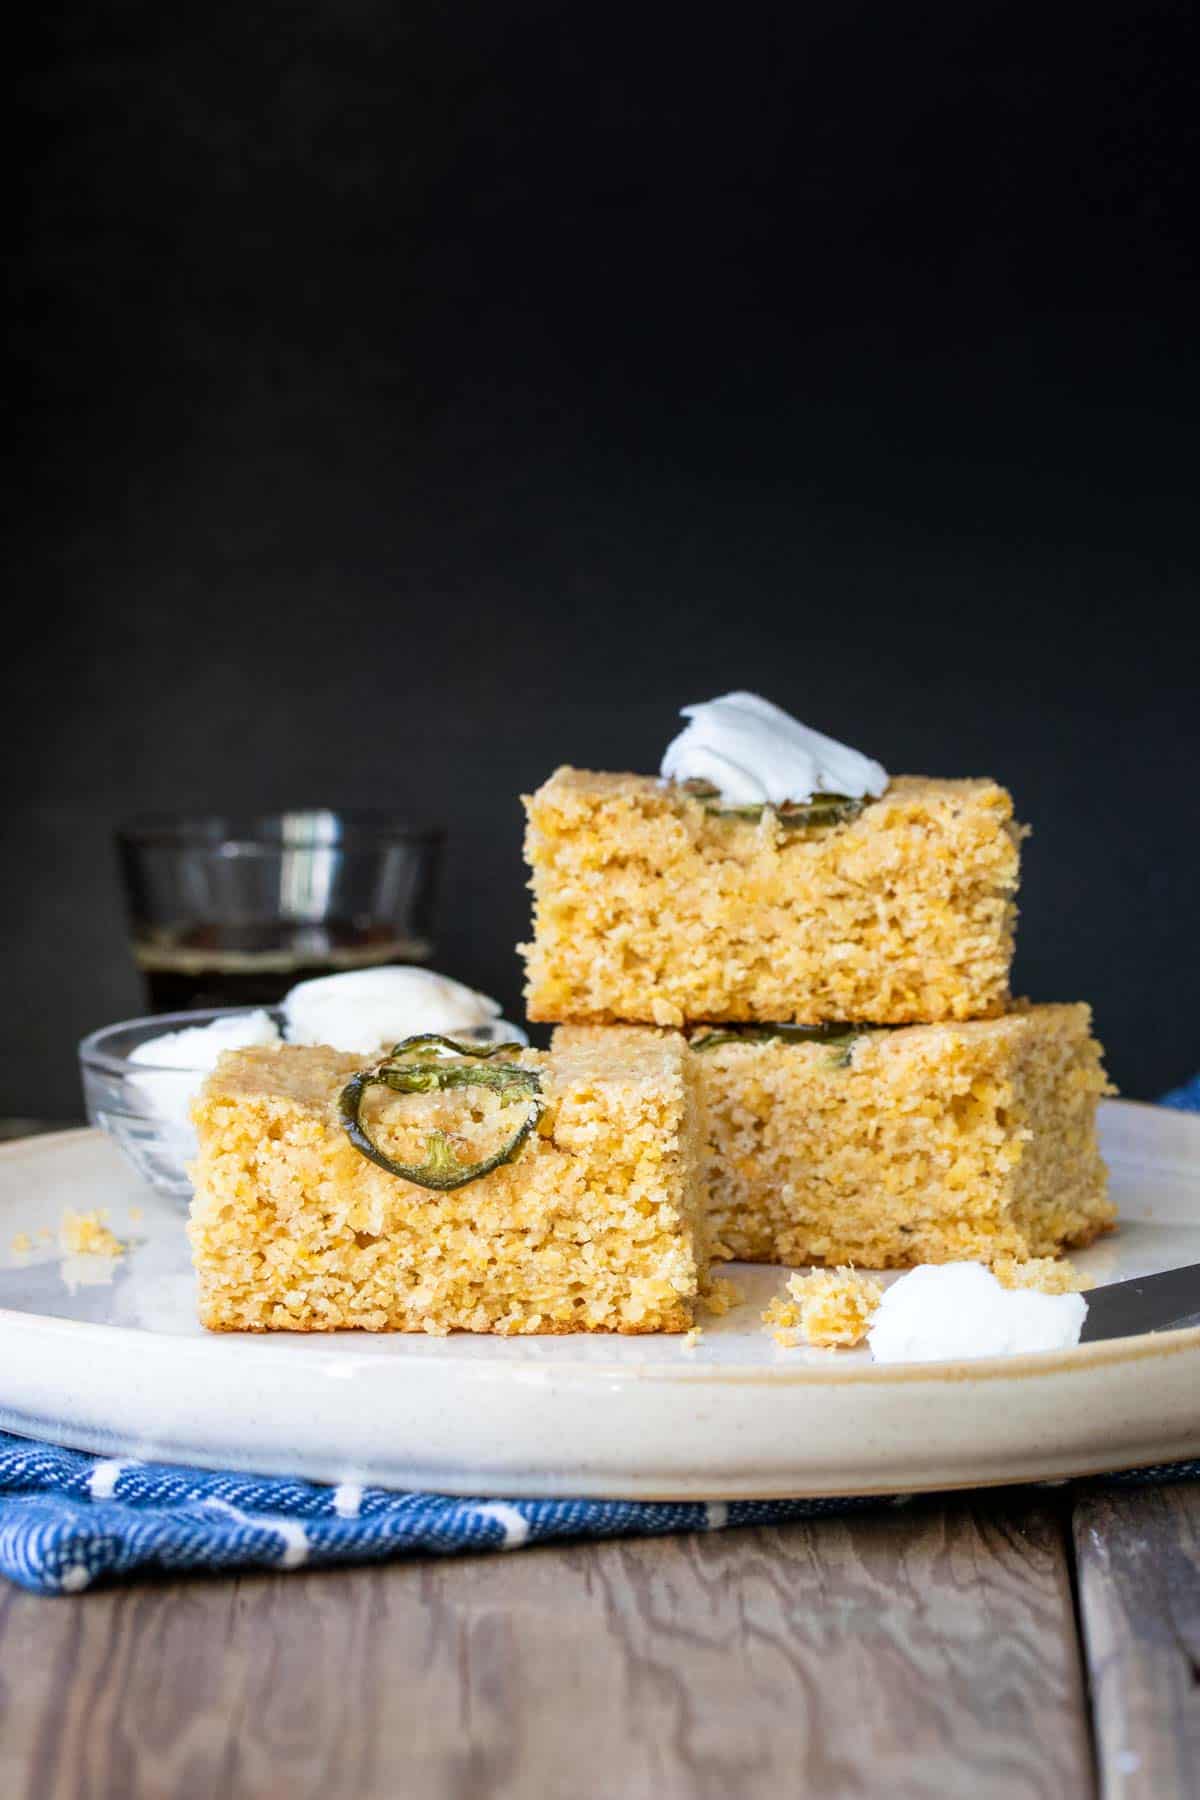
(648, 909)
(599, 1225)
(935, 1143)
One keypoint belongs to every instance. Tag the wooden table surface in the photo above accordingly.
(1028, 1643)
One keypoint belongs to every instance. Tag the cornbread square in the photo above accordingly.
(932, 1143)
(926, 1144)
(598, 1225)
(650, 908)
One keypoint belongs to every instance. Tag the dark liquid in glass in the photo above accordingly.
(192, 966)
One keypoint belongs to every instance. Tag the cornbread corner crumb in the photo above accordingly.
(599, 1224)
(692, 1338)
(719, 1295)
(86, 1234)
(136, 1215)
(648, 908)
(21, 1243)
(782, 1319)
(1043, 1274)
(836, 1305)
(826, 1307)
(927, 1143)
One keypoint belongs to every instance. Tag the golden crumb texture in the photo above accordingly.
(86, 1234)
(930, 1143)
(1042, 1274)
(826, 1307)
(599, 1224)
(649, 909)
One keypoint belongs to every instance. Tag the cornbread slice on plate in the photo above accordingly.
(884, 1149)
(597, 1225)
(653, 905)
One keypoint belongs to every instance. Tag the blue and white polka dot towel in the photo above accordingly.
(67, 1519)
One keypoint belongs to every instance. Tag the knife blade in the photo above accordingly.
(1147, 1303)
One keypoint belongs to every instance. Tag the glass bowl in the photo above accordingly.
(143, 1106)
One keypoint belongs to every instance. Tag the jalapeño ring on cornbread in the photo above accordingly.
(793, 815)
(427, 1072)
(841, 1039)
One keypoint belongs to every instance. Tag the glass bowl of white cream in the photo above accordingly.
(140, 1076)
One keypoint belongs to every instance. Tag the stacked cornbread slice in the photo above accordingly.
(654, 906)
(841, 972)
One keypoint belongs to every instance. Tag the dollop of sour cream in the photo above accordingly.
(193, 1052)
(955, 1311)
(755, 754)
(366, 1009)
(363, 1011)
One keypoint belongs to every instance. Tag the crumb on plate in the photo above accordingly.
(1043, 1274)
(721, 1295)
(826, 1307)
(782, 1319)
(86, 1234)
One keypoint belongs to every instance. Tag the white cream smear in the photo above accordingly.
(363, 1011)
(193, 1052)
(366, 1009)
(755, 754)
(948, 1312)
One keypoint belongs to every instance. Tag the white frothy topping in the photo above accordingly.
(754, 753)
(194, 1052)
(950, 1311)
(365, 1009)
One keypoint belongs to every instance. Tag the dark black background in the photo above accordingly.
(416, 397)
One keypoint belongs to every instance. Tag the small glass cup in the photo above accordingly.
(227, 911)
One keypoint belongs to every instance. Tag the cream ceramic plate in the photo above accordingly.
(108, 1357)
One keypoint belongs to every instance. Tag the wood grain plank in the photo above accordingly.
(1138, 1554)
(922, 1651)
(124, 1692)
